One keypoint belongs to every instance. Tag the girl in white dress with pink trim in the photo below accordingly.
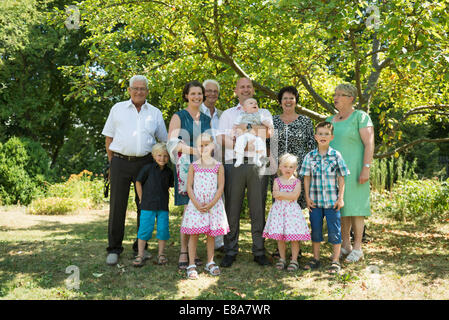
(286, 221)
(205, 212)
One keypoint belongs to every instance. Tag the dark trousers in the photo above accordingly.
(122, 174)
(237, 180)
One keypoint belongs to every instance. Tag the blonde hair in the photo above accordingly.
(159, 147)
(289, 159)
(204, 137)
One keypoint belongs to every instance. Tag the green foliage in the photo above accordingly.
(388, 171)
(24, 166)
(80, 191)
(83, 186)
(421, 201)
(34, 100)
(56, 206)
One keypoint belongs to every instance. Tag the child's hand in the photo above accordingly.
(204, 208)
(198, 206)
(310, 204)
(339, 204)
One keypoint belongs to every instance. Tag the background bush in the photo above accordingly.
(421, 201)
(57, 206)
(24, 167)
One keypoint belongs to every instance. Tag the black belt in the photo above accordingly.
(245, 159)
(131, 158)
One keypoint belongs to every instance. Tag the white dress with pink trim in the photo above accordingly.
(286, 221)
(214, 222)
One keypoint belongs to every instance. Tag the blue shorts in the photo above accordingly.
(146, 227)
(333, 225)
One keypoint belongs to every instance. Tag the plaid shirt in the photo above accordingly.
(324, 172)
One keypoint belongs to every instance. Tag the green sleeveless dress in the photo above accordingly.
(347, 140)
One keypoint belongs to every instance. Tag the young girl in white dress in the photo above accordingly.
(286, 221)
(205, 212)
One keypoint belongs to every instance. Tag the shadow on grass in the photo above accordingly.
(407, 248)
(40, 265)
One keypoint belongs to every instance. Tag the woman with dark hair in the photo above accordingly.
(185, 126)
(293, 133)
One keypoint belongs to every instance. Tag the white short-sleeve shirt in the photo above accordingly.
(134, 133)
(227, 120)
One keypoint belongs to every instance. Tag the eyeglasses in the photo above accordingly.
(341, 95)
(139, 89)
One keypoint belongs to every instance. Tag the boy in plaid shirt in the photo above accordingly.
(324, 170)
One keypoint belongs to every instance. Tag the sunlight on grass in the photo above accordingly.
(410, 262)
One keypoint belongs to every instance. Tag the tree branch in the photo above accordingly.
(426, 109)
(357, 69)
(123, 2)
(315, 95)
(375, 74)
(408, 146)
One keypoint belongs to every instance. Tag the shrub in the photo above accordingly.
(80, 186)
(56, 206)
(16, 184)
(386, 172)
(423, 201)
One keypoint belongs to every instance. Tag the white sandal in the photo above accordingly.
(354, 256)
(192, 274)
(213, 269)
(344, 252)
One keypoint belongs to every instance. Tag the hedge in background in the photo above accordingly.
(24, 167)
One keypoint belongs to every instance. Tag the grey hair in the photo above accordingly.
(349, 89)
(138, 78)
(211, 81)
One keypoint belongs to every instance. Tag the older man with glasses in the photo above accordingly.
(131, 130)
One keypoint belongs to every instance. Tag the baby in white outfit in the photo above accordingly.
(250, 116)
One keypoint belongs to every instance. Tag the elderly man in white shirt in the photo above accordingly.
(212, 91)
(131, 130)
(247, 176)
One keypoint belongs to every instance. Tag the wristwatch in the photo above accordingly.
(249, 126)
(367, 165)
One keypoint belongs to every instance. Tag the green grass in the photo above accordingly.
(402, 261)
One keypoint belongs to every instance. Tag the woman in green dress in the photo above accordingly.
(354, 138)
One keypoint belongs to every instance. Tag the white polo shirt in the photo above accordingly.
(134, 133)
(226, 123)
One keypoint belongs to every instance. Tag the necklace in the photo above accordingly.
(341, 117)
(287, 119)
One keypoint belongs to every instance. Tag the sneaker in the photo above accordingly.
(354, 256)
(112, 259)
